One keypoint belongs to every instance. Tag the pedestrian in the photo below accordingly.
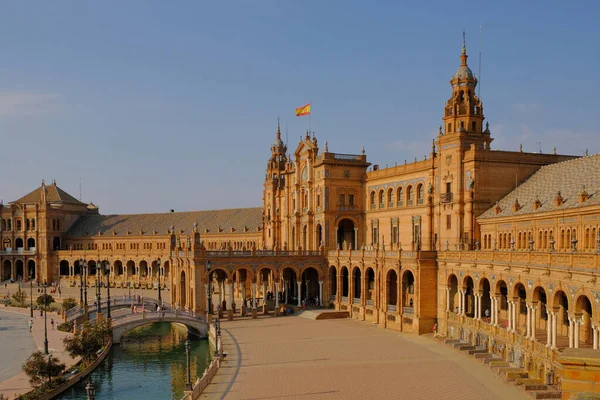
(435, 330)
(456, 311)
(134, 309)
(30, 325)
(52, 323)
(41, 313)
(487, 313)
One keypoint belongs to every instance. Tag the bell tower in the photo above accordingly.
(274, 190)
(463, 112)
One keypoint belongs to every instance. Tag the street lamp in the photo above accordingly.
(80, 284)
(90, 389)
(129, 288)
(158, 265)
(208, 266)
(45, 324)
(31, 293)
(85, 285)
(188, 383)
(98, 271)
(107, 273)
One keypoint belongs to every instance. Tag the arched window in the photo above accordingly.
(381, 199)
(420, 193)
(400, 197)
(409, 196)
(390, 198)
(372, 198)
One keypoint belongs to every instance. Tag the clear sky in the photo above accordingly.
(159, 105)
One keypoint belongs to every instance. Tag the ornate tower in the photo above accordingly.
(463, 113)
(273, 192)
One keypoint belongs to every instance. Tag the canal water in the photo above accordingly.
(149, 364)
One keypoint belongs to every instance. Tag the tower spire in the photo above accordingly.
(278, 130)
(463, 55)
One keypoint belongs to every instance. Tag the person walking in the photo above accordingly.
(30, 325)
(52, 323)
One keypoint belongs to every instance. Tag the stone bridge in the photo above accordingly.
(120, 326)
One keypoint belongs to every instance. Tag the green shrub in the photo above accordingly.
(65, 327)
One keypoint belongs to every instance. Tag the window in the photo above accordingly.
(372, 200)
(10, 224)
(420, 194)
(318, 200)
(375, 235)
(473, 126)
(448, 187)
(448, 221)
(400, 197)
(409, 196)
(18, 224)
(449, 128)
(27, 224)
(351, 200)
(381, 199)
(395, 234)
(342, 200)
(3, 224)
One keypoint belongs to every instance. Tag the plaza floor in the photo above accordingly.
(297, 358)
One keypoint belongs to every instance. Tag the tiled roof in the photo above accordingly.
(214, 220)
(54, 194)
(568, 177)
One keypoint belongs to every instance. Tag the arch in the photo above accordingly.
(409, 195)
(20, 269)
(540, 298)
(390, 197)
(381, 199)
(63, 268)
(319, 235)
(310, 285)
(357, 283)
(469, 288)
(486, 298)
(501, 291)
(289, 275)
(370, 288)
(31, 270)
(520, 296)
(19, 243)
(130, 268)
(400, 196)
(346, 234)
(453, 293)
(144, 272)
(92, 270)
(6, 244)
(420, 193)
(7, 270)
(118, 268)
(345, 282)
(408, 289)
(560, 303)
(305, 237)
(372, 199)
(391, 284)
(333, 280)
(31, 243)
(198, 327)
(583, 309)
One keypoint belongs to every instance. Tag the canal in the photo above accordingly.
(149, 364)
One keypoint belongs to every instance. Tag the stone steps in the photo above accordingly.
(545, 394)
(477, 351)
(528, 382)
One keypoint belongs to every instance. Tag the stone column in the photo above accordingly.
(571, 333)
(207, 298)
(460, 301)
(595, 336)
(254, 315)
(264, 289)
(299, 292)
(514, 313)
(448, 299)
(464, 302)
(549, 330)
(478, 307)
(554, 323)
(528, 318)
(321, 293)
(276, 298)
(576, 326)
(509, 316)
(230, 301)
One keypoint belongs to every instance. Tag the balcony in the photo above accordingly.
(408, 310)
(19, 251)
(446, 197)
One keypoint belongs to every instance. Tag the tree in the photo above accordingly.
(68, 303)
(87, 341)
(41, 368)
(20, 297)
(45, 300)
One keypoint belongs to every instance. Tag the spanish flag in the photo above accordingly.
(304, 110)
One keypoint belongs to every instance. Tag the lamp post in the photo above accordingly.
(90, 389)
(107, 273)
(208, 266)
(158, 265)
(85, 304)
(45, 325)
(188, 383)
(129, 288)
(98, 297)
(31, 293)
(80, 284)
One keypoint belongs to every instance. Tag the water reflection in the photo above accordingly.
(148, 364)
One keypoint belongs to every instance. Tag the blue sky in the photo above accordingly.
(173, 105)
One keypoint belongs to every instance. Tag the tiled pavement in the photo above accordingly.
(298, 358)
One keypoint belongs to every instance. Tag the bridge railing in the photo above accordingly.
(118, 301)
(165, 311)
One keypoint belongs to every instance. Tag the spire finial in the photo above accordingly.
(464, 47)
(278, 130)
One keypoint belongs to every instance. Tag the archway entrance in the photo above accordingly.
(356, 276)
(310, 286)
(452, 300)
(345, 283)
(345, 235)
(391, 283)
(408, 292)
(319, 236)
(290, 286)
(583, 311)
(6, 270)
(31, 243)
(31, 269)
(20, 269)
(469, 306)
(486, 300)
(64, 268)
(370, 285)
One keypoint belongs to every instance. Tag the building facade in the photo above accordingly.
(490, 246)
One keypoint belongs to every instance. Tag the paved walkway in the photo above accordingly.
(299, 358)
(16, 344)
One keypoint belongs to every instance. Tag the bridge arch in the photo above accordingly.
(120, 328)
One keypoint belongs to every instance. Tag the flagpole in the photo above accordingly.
(310, 118)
